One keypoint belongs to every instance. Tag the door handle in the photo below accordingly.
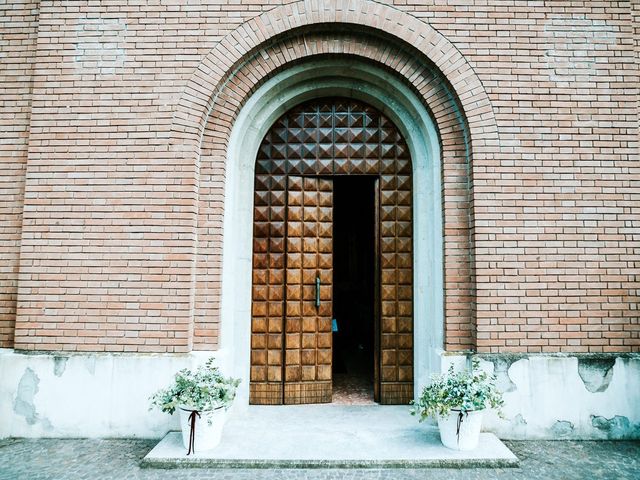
(317, 291)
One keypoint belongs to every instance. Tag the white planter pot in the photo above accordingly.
(208, 428)
(469, 433)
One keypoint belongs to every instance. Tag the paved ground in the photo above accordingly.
(119, 459)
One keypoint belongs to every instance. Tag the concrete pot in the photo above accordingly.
(208, 427)
(467, 435)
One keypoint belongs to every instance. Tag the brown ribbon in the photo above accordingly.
(192, 433)
(458, 425)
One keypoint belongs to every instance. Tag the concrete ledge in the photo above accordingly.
(329, 436)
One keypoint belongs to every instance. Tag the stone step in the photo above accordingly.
(328, 436)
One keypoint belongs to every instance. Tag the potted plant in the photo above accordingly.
(202, 397)
(457, 400)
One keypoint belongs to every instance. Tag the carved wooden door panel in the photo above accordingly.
(396, 288)
(267, 306)
(308, 290)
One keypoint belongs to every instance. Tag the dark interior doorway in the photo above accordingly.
(354, 287)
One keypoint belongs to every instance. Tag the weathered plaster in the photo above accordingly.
(59, 365)
(87, 395)
(562, 429)
(518, 426)
(616, 427)
(501, 367)
(569, 396)
(596, 373)
(107, 395)
(25, 396)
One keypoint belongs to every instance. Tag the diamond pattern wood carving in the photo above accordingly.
(309, 277)
(291, 338)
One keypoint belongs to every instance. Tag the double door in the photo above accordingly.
(292, 309)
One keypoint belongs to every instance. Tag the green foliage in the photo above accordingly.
(205, 389)
(464, 390)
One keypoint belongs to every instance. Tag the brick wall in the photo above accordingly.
(109, 229)
(108, 232)
(557, 208)
(18, 26)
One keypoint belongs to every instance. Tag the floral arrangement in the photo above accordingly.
(464, 390)
(203, 390)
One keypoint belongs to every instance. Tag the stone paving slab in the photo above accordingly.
(92, 459)
(329, 436)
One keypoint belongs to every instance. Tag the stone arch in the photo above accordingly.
(360, 80)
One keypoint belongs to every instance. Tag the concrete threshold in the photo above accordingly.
(328, 436)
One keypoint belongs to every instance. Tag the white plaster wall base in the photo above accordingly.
(563, 396)
(107, 395)
(88, 395)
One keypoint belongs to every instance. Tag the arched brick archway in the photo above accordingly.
(456, 159)
(439, 75)
(356, 79)
(227, 59)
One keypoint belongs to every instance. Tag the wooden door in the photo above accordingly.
(308, 291)
(292, 289)
(290, 336)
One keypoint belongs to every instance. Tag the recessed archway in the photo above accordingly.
(430, 86)
(422, 58)
(345, 77)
